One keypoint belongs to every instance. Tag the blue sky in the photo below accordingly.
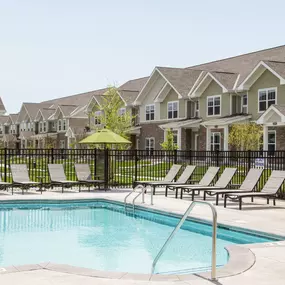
(55, 48)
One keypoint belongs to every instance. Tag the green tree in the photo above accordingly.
(245, 136)
(169, 144)
(114, 116)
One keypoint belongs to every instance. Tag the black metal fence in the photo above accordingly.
(121, 168)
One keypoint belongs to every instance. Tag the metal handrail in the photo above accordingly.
(134, 190)
(214, 236)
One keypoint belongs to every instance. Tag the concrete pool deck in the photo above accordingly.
(267, 266)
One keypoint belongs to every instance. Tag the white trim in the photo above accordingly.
(122, 98)
(157, 98)
(243, 85)
(172, 102)
(231, 104)
(241, 103)
(224, 89)
(260, 120)
(207, 99)
(136, 102)
(235, 85)
(266, 89)
(213, 144)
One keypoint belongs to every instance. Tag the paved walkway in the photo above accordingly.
(269, 266)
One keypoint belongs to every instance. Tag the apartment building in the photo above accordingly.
(201, 103)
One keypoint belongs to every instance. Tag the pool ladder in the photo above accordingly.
(141, 193)
(214, 236)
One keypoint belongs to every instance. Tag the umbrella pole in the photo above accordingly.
(106, 167)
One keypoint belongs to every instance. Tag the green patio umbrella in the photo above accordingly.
(105, 136)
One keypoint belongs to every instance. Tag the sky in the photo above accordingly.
(56, 48)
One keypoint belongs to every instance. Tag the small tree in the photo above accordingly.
(114, 116)
(169, 144)
(245, 136)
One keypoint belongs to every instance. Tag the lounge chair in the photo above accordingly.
(206, 180)
(269, 190)
(4, 185)
(248, 185)
(20, 177)
(222, 182)
(183, 178)
(170, 176)
(58, 178)
(84, 176)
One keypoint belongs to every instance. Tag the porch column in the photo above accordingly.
(208, 138)
(179, 138)
(265, 138)
(226, 137)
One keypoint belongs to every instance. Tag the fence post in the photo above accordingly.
(95, 163)
(248, 159)
(217, 158)
(52, 158)
(5, 164)
(190, 156)
(136, 166)
(106, 167)
(175, 156)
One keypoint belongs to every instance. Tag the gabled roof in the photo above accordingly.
(274, 115)
(180, 79)
(275, 67)
(223, 121)
(243, 64)
(67, 109)
(45, 113)
(33, 108)
(13, 117)
(2, 107)
(134, 85)
(77, 99)
(225, 80)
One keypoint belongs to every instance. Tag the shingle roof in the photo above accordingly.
(33, 108)
(180, 78)
(135, 85)
(3, 119)
(277, 66)
(280, 108)
(77, 99)
(67, 109)
(47, 112)
(13, 117)
(226, 79)
(243, 64)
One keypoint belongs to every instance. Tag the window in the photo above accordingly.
(214, 105)
(64, 125)
(266, 98)
(215, 141)
(172, 108)
(62, 144)
(149, 112)
(149, 144)
(32, 127)
(44, 127)
(40, 127)
(122, 111)
(97, 120)
(175, 138)
(271, 141)
(59, 125)
(197, 109)
(244, 104)
(29, 126)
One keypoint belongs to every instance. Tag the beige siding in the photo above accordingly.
(214, 89)
(76, 122)
(266, 80)
(172, 96)
(150, 97)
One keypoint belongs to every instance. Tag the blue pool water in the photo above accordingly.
(101, 236)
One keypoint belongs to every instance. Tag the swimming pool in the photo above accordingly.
(99, 235)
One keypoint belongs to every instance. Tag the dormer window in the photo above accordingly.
(59, 125)
(97, 120)
(44, 127)
(29, 126)
(172, 109)
(64, 125)
(40, 127)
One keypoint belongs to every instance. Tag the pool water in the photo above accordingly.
(99, 235)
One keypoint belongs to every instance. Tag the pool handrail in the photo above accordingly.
(140, 193)
(214, 236)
